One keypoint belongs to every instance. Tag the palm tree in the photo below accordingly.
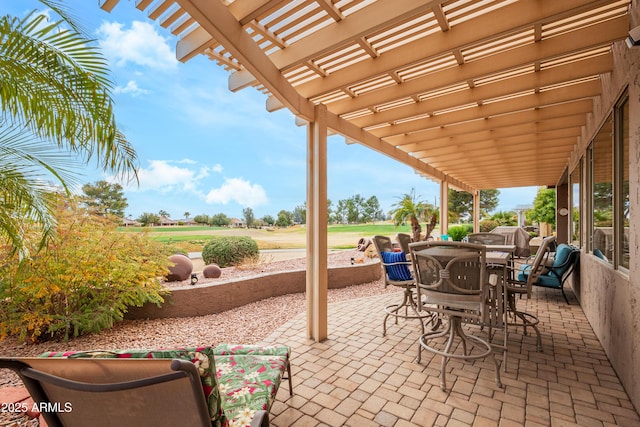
(412, 209)
(55, 95)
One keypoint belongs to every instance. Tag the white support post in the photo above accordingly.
(476, 211)
(317, 273)
(444, 206)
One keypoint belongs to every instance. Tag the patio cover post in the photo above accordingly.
(444, 206)
(317, 220)
(476, 211)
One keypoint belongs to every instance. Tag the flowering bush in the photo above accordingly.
(83, 281)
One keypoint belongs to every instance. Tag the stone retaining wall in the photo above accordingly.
(218, 297)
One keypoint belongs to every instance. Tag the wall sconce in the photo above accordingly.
(634, 37)
(194, 279)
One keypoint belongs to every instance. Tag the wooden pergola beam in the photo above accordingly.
(545, 115)
(385, 13)
(580, 91)
(528, 82)
(597, 35)
(511, 18)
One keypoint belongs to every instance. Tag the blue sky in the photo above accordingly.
(205, 150)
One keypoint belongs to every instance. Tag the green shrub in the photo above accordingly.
(83, 281)
(230, 250)
(486, 225)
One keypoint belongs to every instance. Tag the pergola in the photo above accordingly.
(474, 94)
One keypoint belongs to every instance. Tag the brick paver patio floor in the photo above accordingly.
(359, 378)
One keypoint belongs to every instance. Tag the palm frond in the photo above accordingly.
(27, 167)
(53, 81)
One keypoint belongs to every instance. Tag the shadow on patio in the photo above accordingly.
(359, 378)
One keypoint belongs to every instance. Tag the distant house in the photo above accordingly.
(237, 223)
(187, 221)
(167, 221)
(126, 222)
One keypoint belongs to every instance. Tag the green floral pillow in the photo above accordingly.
(202, 357)
(248, 384)
(256, 350)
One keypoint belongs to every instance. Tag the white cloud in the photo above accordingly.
(165, 177)
(132, 88)
(140, 45)
(240, 191)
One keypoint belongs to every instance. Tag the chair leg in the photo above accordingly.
(409, 303)
(290, 378)
(453, 329)
(528, 320)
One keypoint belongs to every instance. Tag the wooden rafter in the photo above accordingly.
(454, 90)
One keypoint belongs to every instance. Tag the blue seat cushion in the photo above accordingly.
(597, 252)
(523, 273)
(395, 271)
(562, 254)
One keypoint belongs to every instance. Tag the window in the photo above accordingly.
(602, 192)
(574, 203)
(608, 180)
(622, 182)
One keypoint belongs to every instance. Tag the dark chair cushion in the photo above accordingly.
(396, 270)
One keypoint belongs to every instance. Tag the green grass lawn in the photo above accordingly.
(369, 229)
(169, 229)
(340, 236)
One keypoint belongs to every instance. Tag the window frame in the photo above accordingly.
(586, 213)
(620, 126)
(579, 173)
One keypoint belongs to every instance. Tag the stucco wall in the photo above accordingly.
(216, 298)
(609, 297)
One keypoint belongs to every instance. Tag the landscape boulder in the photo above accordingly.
(181, 270)
(212, 271)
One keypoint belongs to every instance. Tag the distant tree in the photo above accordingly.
(201, 219)
(300, 214)
(219, 220)
(355, 209)
(268, 219)
(544, 207)
(505, 218)
(340, 213)
(148, 218)
(285, 218)
(410, 208)
(461, 203)
(105, 198)
(602, 196)
(163, 213)
(372, 211)
(249, 217)
(187, 215)
(489, 200)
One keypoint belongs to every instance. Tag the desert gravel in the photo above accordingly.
(247, 324)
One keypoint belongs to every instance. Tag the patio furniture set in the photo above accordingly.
(448, 285)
